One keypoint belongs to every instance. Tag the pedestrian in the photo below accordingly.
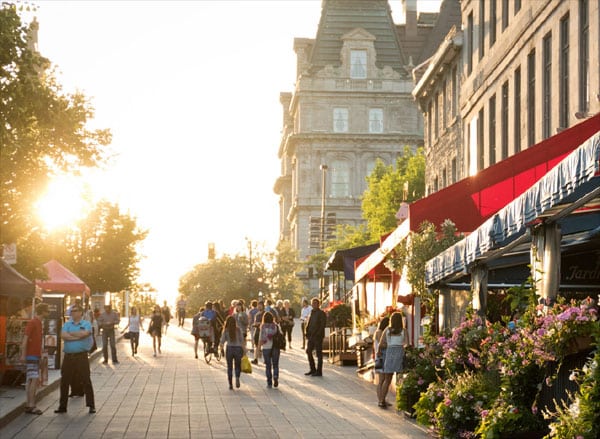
(31, 353)
(232, 335)
(304, 314)
(392, 340)
(287, 316)
(256, 322)
(315, 332)
(241, 318)
(196, 330)
(384, 323)
(181, 304)
(77, 337)
(134, 325)
(166, 315)
(107, 321)
(271, 354)
(269, 306)
(155, 328)
(232, 307)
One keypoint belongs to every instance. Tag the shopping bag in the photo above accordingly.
(246, 366)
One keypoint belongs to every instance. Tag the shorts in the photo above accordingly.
(33, 369)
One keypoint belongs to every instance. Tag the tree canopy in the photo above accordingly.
(43, 131)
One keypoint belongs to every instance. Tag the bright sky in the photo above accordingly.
(190, 91)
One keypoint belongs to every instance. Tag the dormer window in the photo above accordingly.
(358, 64)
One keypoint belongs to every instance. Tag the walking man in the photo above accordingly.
(315, 332)
(107, 321)
(31, 352)
(181, 311)
(77, 337)
(166, 315)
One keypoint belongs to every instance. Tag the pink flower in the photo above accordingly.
(484, 413)
(448, 402)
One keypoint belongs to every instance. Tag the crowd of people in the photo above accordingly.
(235, 330)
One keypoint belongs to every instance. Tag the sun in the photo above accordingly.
(63, 203)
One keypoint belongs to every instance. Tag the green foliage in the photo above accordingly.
(421, 368)
(42, 132)
(348, 236)
(386, 190)
(340, 316)
(285, 281)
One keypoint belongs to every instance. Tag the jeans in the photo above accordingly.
(106, 334)
(271, 357)
(233, 354)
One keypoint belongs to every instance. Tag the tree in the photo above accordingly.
(42, 132)
(284, 273)
(388, 187)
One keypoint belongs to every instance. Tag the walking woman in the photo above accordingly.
(236, 348)
(270, 354)
(134, 325)
(155, 328)
(392, 340)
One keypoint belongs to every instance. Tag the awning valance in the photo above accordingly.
(569, 185)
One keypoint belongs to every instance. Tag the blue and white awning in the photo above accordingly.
(574, 181)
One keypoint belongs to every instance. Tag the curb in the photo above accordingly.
(43, 392)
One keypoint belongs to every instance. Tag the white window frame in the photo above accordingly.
(340, 179)
(358, 64)
(376, 120)
(340, 120)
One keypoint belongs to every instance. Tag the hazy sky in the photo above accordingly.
(190, 91)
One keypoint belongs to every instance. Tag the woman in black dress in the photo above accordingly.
(155, 328)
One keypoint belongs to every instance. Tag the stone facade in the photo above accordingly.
(528, 70)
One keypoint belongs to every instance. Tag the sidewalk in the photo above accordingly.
(13, 398)
(176, 396)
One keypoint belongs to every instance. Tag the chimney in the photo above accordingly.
(410, 15)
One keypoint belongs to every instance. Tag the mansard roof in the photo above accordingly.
(338, 17)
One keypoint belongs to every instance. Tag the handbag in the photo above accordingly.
(380, 360)
(127, 335)
(246, 365)
(279, 340)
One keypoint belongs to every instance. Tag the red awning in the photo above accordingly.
(471, 201)
(62, 280)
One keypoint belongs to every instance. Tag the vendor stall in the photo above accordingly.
(16, 299)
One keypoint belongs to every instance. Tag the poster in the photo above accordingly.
(52, 326)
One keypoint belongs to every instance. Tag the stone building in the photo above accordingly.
(526, 71)
(352, 105)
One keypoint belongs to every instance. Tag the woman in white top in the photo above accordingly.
(392, 340)
(134, 325)
(271, 354)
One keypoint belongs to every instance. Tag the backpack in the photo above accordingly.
(202, 326)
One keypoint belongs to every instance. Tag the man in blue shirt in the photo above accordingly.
(77, 337)
(211, 315)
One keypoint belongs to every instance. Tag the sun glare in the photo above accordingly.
(62, 204)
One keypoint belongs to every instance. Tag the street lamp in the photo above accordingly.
(323, 173)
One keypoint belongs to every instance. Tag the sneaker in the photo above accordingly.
(255, 361)
(196, 356)
(275, 382)
(92, 410)
(115, 362)
(237, 383)
(60, 410)
(105, 362)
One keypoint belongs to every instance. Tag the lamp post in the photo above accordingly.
(323, 173)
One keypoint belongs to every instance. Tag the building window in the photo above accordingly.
(531, 98)
(436, 116)
(480, 150)
(493, 21)
(504, 121)
(429, 124)
(563, 82)
(444, 107)
(435, 184)
(454, 171)
(517, 6)
(444, 182)
(470, 32)
(358, 64)
(492, 130)
(472, 146)
(454, 92)
(376, 120)
(340, 120)
(504, 14)
(481, 28)
(340, 179)
(517, 110)
(546, 85)
(584, 56)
